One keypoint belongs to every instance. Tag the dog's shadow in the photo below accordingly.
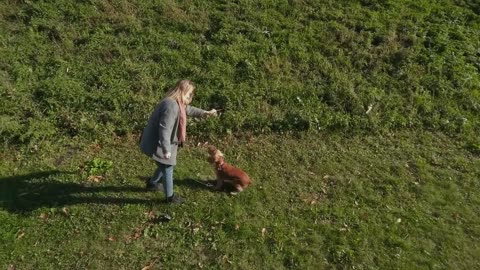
(204, 184)
(196, 183)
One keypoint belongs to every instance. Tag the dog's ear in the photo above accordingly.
(212, 149)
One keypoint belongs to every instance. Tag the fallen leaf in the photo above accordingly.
(96, 147)
(111, 238)
(65, 211)
(237, 227)
(11, 267)
(150, 214)
(43, 216)
(344, 228)
(21, 235)
(225, 258)
(95, 178)
(136, 234)
(369, 109)
(264, 231)
(148, 267)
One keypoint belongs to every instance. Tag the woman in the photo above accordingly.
(166, 131)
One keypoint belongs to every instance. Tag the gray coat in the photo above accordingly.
(160, 134)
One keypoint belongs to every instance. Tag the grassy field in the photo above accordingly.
(96, 68)
(403, 201)
(357, 120)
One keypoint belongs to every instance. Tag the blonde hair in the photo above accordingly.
(181, 91)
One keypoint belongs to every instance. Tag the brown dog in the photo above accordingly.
(227, 173)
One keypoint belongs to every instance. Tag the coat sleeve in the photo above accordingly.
(168, 115)
(194, 111)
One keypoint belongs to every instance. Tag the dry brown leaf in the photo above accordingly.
(96, 147)
(149, 266)
(237, 227)
(65, 211)
(150, 214)
(137, 234)
(43, 216)
(111, 238)
(225, 258)
(264, 231)
(95, 178)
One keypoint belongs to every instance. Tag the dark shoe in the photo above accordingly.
(175, 199)
(153, 187)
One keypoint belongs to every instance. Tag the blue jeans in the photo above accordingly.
(164, 173)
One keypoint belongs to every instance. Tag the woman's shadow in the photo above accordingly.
(25, 193)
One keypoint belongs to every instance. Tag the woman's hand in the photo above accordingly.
(212, 112)
(168, 155)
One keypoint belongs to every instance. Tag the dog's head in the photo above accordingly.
(215, 156)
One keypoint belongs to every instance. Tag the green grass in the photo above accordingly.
(358, 121)
(96, 68)
(401, 201)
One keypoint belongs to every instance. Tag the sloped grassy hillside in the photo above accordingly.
(96, 68)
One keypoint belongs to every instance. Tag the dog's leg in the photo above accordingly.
(219, 184)
(238, 187)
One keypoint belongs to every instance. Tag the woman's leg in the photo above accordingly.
(167, 179)
(157, 175)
